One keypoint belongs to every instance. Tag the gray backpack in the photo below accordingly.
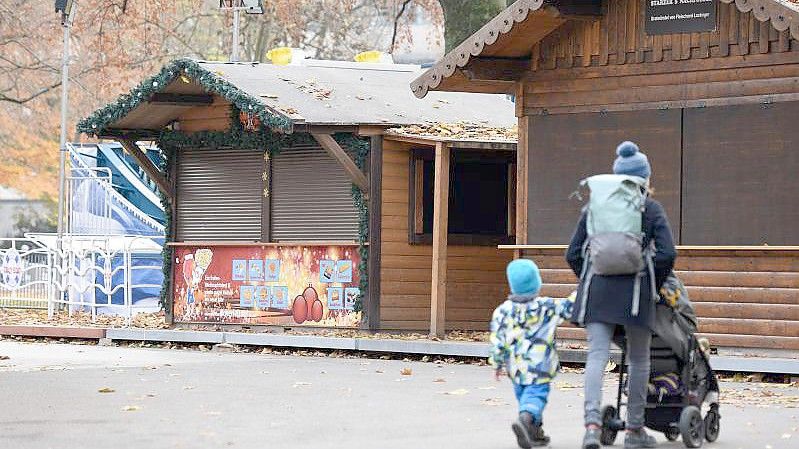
(614, 224)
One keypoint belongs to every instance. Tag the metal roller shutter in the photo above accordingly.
(311, 197)
(219, 195)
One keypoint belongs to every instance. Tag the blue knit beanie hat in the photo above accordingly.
(523, 277)
(631, 161)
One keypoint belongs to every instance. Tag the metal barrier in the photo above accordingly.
(88, 273)
(25, 274)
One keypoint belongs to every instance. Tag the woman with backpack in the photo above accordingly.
(626, 297)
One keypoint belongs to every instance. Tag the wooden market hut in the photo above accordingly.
(264, 156)
(457, 178)
(711, 97)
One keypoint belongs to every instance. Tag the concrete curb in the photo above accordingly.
(396, 346)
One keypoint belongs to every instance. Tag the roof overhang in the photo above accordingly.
(498, 54)
(494, 58)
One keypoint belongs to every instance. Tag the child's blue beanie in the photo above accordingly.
(631, 161)
(523, 277)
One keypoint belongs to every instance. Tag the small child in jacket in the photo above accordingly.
(523, 345)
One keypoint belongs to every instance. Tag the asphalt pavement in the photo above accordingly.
(65, 396)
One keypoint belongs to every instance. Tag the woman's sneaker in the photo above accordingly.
(639, 439)
(591, 438)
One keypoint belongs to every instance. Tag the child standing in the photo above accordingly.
(523, 343)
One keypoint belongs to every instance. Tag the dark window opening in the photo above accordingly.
(481, 197)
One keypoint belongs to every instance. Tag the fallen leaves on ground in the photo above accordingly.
(759, 396)
(494, 402)
(106, 390)
(131, 408)
(406, 371)
(26, 317)
(458, 392)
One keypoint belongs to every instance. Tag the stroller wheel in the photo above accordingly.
(692, 427)
(609, 425)
(712, 424)
(672, 434)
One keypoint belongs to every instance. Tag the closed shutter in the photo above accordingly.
(570, 147)
(311, 197)
(219, 195)
(740, 178)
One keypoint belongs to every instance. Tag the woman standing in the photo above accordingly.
(608, 305)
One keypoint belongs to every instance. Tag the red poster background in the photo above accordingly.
(205, 292)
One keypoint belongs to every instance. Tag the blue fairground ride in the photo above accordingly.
(113, 214)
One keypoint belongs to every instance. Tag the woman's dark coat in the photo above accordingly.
(610, 297)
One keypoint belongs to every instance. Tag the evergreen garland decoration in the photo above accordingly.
(189, 71)
(360, 147)
(166, 251)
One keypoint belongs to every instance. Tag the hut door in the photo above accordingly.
(311, 197)
(740, 178)
(565, 148)
(219, 195)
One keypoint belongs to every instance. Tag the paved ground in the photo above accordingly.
(184, 399)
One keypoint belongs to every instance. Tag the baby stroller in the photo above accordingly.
(681, 380)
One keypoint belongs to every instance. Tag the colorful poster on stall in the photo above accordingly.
(327, 271)
(246, 295)
(256, 270)
(262, 296)
(239, 270)
(335, 298)
(280, 297)
(344, 271)
(270, 285)
(350, 296)
(272, 270)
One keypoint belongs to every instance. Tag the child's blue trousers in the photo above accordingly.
(532, 399)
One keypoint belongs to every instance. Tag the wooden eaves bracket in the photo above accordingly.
(152, 171)
(331, 146)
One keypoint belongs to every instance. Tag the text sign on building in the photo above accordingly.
(680, 16)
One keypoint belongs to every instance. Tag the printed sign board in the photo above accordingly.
(680, 16)
(273, 285)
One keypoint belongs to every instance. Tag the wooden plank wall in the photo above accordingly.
(744, 299)
(619, 38)
(215, 117)
(476, 275)
(745, 61)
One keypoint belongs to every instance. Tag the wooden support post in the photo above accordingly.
(438, 297)
(356, 175)
(372, 306)
(147, 165)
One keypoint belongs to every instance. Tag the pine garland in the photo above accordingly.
(189, 71)
(360, 147)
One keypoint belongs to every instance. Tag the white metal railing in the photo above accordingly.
(87, 272)
(25, 274)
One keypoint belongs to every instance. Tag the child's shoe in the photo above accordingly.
(638, 439)
(591, 439)
(522, 430)
(537, 435)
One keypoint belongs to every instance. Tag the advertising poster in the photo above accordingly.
(270, 285)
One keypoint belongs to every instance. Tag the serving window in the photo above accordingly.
(482, 197)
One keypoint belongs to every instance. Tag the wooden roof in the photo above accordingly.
(313, 94)
(494, 58)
